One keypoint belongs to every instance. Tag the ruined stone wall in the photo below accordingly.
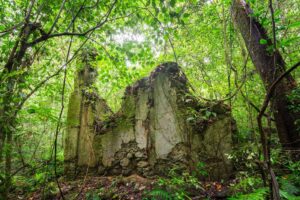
(160, 126)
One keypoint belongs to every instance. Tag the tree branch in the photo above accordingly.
(57, 17)
(260, 127)
(48, 36)
(39, 85)
(3, 33)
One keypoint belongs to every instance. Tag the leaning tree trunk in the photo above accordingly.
(270, 66)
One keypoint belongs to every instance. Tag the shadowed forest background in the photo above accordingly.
(243, 55)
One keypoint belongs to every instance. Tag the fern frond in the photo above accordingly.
(158, 194)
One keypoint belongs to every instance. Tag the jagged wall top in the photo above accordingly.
(151, 132)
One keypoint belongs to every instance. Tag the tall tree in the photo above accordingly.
(270, 65)
(40, 23)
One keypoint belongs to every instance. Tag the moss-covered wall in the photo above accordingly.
(151, 133)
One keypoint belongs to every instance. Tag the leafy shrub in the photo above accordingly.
(259, 194)
(177, 186)
(246, 184)
(158, 194)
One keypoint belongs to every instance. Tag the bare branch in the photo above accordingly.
(3, 33)
(57, 16)
(273, 86)
(59, 118)
(14, 54)
(260, 127)
(39, 85)
(76, 15)
(27, 17)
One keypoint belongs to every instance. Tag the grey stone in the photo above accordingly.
(101, 169)
(126, 171)
(142, 164)
(139, 154)
(142, 188)
(124, 162)
(129, 155)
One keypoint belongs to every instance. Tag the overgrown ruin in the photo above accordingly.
(160, 126)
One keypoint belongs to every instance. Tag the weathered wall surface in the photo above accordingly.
(85, 107)
(159, 126)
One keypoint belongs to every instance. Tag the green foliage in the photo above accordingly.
(259, 194)
(200, 170)
(137, 36)
(92, 196)
(177, 185)
(250, 187)
(246, 184)
(294, 105)
(294, 167)
(290, 183)
(244, 156)
(288, 189)
(262, 41)
(158, 194)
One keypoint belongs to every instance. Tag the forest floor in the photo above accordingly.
(133, 187)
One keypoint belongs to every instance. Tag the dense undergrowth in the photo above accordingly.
(40, 183)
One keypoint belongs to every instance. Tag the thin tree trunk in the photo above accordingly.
(9, 110)
(7, 124)
(270, 66)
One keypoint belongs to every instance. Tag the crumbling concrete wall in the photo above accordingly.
(160, 126)
(85, 107)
